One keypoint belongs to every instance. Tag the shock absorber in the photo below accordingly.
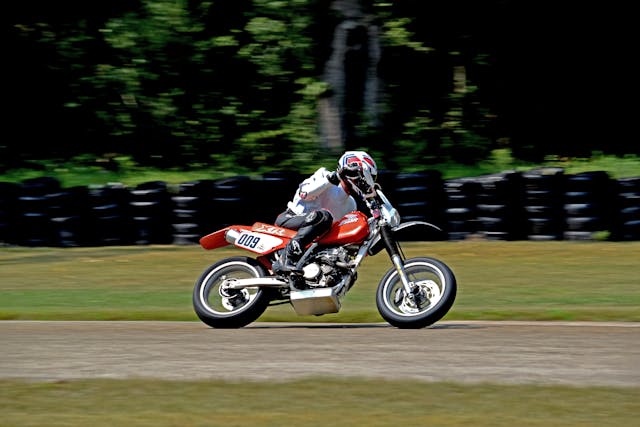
(396, 258)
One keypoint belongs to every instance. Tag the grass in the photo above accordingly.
(497, 280)
(502, 160)
(85, 170)
(315, 402)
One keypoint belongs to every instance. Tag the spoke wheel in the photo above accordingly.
(433, 291)
(219, 306)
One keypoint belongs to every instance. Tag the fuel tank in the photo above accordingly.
(352, 228)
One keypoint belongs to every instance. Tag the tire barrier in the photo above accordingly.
(627, 210)
(543, 204)
(150, 208)
(111, 220)
(499, 207)
(70, 217)
(8, 212)
(420, 196)
(276, 189)
(588, 205)
(190, 211)
(460, 208)
(232, 202)
(34, 224)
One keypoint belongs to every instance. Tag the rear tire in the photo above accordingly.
(435, 292)
(221, 308)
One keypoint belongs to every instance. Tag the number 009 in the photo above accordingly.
(248, 240)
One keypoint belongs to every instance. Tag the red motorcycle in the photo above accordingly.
(235, 291)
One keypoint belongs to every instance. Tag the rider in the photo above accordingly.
(322, 199)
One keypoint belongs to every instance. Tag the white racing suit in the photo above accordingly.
(316, 205)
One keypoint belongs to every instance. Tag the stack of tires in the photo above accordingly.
(151, 209)
(190, 211)
(500, 206)
(233, 201)
(70, 216)
(588, 205)
(8, 212)
(420, 196)
(543, 203)
(33, 220)
(110, 215)
(460, 207)
(627, 218)
(273, 193)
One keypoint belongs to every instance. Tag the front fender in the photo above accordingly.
(410, 231)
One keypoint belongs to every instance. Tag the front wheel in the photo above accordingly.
(220, 307)
(433, 291)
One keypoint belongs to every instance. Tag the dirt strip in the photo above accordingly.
(580, 353)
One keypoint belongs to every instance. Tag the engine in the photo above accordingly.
(327, 267)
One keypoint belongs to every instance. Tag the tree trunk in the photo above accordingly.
(351, 74)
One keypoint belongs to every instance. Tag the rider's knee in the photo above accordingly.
(321, 219)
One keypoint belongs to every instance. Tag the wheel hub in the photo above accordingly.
(423, 294)
(232, 298)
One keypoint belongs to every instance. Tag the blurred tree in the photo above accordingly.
(251, 85)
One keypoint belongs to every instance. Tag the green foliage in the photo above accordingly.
(235, 84)
(396, 34)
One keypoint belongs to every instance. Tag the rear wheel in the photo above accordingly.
(433, 291)
(221, 307)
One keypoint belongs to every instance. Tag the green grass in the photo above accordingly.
(87, 171)
(502, 160)
(318, 402)
(497, 280)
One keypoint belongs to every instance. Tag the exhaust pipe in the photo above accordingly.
(231, 236)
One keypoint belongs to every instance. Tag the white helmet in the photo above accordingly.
(360, 170)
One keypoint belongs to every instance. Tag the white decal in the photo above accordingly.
(348, 219)
(271, 229)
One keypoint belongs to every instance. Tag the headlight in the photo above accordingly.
(391, 215)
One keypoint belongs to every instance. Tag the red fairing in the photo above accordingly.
(352, 228)
(274, 230)
(216, 239)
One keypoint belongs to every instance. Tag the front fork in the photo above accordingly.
(393, 250)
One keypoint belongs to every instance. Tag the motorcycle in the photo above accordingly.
(234, 292)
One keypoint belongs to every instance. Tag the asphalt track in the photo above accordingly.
(567, 353)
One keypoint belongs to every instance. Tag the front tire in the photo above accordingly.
(226, 308)
(434, 291)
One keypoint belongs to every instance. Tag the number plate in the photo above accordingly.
(257, 242)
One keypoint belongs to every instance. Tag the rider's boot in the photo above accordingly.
(291, 256)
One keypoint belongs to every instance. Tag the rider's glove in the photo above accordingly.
(333, 178)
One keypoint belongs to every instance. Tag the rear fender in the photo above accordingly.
(410, 231)
(216, 239)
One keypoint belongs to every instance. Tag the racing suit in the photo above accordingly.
(319, 201)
